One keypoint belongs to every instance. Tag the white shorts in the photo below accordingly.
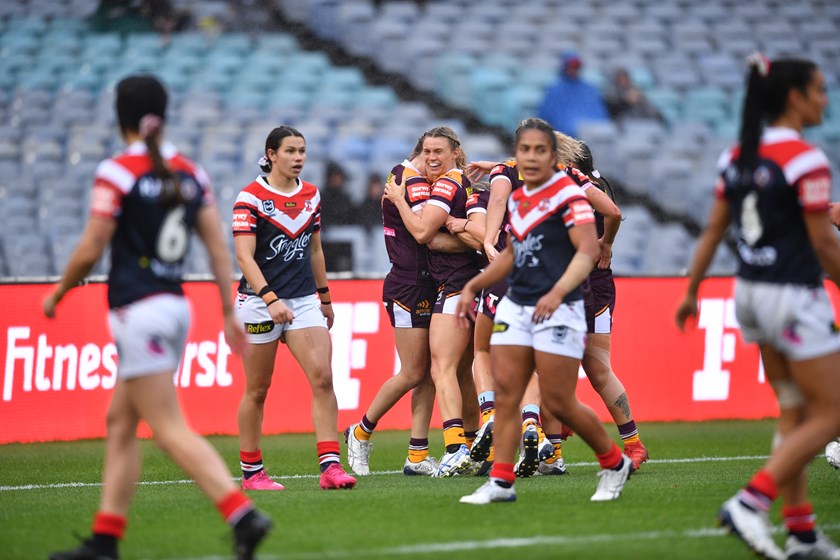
(563, 334)
(798, 321)
(260, 328)
(150, 334)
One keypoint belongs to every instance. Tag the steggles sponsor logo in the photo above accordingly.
(33, 364)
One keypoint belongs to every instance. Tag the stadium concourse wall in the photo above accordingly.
(58, 374)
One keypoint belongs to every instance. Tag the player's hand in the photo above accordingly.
(235, 335)
(394, 191)
(328, 312)
(464, 314)
(688, 308)
(606, 254)
(280, 313)
(49, 304)
(490, 252)
(547, 305)
(834, 214)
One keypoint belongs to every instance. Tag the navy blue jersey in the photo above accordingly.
(409, 259)
(791, 178)
(283, 224)
(542, 248)
(150, 242)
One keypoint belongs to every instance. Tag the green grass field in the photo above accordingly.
(667, 510)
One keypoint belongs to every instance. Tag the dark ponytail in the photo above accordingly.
(768, 85)
(141, 108)
(586, 165)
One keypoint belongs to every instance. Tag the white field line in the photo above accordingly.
(305, 476)
(511, 543)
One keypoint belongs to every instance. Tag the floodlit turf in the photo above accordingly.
(667, 509)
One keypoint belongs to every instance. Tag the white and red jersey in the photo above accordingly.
(151, 241)
(791, 178)
(540, 221)
(283, 224)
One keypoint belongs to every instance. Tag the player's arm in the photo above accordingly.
(207, 227)
(96, 237)
(495, 272)
(319, 271)
(424, 224)
(246, 246)
(703, 255)
(500, 189)
(444, 242)
(470, 230)
(603, 204)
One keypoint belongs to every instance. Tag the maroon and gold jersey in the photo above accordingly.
(409, 259)
(283, 224)
(449, 192)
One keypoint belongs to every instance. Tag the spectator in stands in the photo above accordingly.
(571, 100)
(774, 189)
(145, 202)
(369, 211)
(337, 208)
(624, 99)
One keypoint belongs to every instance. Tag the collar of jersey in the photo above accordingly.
(261, 180)
(554, 178)
(779, 134)
(167, 149)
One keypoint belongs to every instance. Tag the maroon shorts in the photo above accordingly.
(448, 295)
(599, 302)
(490, 298)
(409, 306)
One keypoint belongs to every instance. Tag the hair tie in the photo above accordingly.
(759, 62)
(150, 125)
(265, 164)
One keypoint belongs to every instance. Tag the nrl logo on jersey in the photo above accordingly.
(268, 206)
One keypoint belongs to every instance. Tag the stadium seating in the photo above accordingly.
(491, 57)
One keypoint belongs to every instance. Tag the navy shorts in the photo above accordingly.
(409, 306)
(599, 300)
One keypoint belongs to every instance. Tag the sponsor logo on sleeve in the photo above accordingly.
(582, 212)
(815, 191)
(241, 220)
(104, 200)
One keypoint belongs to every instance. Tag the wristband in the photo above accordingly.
(265, 290)
(324, 290)
(275, 300)
(326, 302)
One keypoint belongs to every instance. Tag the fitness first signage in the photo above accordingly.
(57, 375)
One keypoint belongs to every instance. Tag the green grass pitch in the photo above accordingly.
(667, 510)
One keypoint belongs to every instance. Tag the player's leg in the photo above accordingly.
(312, 349)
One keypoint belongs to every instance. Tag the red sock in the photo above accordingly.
(250, 456)
(799, 518)
(328, 452)
(611, 459)
(233, 506)
(503, 471)
(109, 524)
(763, 483)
